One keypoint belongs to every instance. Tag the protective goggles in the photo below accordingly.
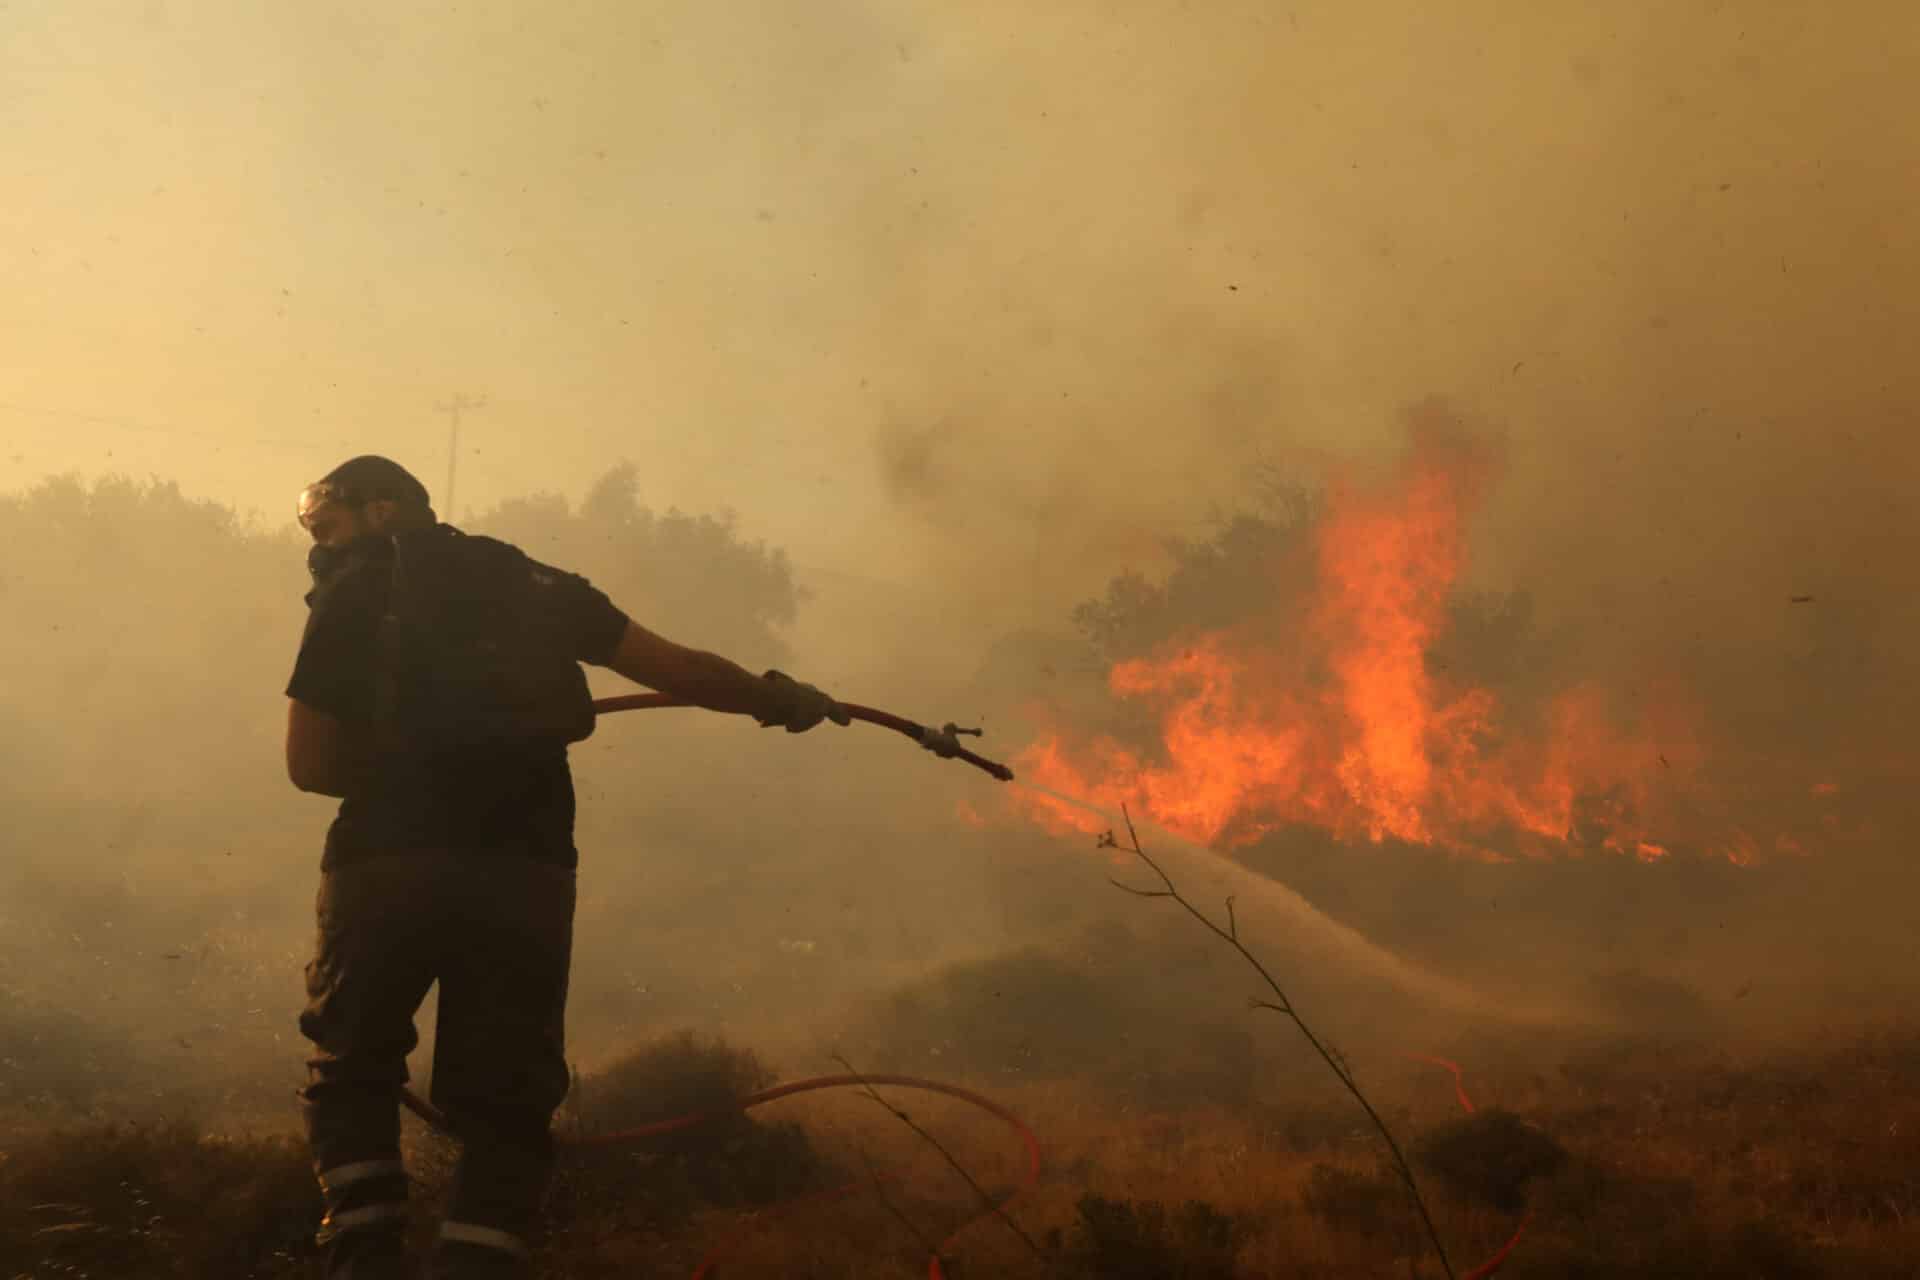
(316, 497)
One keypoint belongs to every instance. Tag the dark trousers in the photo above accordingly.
(497, 934)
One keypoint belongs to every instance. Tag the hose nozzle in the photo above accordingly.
(945, 741)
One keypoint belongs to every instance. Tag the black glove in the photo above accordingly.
(797, 707)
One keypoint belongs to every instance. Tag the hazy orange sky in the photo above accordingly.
(941, 286)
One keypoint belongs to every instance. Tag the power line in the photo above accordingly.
(453, 409)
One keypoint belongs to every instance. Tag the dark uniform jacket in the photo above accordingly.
(516, 800)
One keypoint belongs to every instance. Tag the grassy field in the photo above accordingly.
(1629, 1159)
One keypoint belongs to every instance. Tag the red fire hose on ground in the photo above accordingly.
(676, 1124)
(943, 742)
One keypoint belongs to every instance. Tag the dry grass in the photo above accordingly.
(1799, 1164)
(154, 1201)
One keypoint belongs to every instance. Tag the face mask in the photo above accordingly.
(324, 563)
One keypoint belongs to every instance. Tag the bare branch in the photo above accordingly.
(927, 1242)
(993, 1206)
(1138, 893)
(1335, 1060)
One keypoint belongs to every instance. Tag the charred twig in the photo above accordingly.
(992, 1204)
(927, 1242)
(1335, 1060)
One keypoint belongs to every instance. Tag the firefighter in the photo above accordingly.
(435, 692)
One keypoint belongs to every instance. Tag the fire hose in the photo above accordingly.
(676, 1124)
(944, 743)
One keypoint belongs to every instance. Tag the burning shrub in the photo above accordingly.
(1147, 1240)
(1490, 1156)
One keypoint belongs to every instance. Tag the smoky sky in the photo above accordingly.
(936, 291)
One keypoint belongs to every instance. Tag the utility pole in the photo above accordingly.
(453, 409)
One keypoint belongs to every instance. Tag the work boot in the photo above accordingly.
(365, 1255)
(363, 1235)
(493, 1207)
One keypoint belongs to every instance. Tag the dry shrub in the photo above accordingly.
(1147, 1240)
(731, 1159)
(1106, 1008)
(1489, 1157)
(677, 1074)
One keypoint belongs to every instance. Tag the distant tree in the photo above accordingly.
(145, 637)
(692, 578)
(1254, 557)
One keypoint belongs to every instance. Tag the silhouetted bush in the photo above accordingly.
(1147, 1240)
(1042, 1012)
(730, 1159)
(1490, 1156)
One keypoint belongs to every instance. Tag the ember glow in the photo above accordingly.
(1337, 716)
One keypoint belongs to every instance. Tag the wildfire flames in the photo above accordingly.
(1338, 716)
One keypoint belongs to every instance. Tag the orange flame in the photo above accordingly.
(1341, 720)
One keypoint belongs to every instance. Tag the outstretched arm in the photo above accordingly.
(693, 675)
(711, 681)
